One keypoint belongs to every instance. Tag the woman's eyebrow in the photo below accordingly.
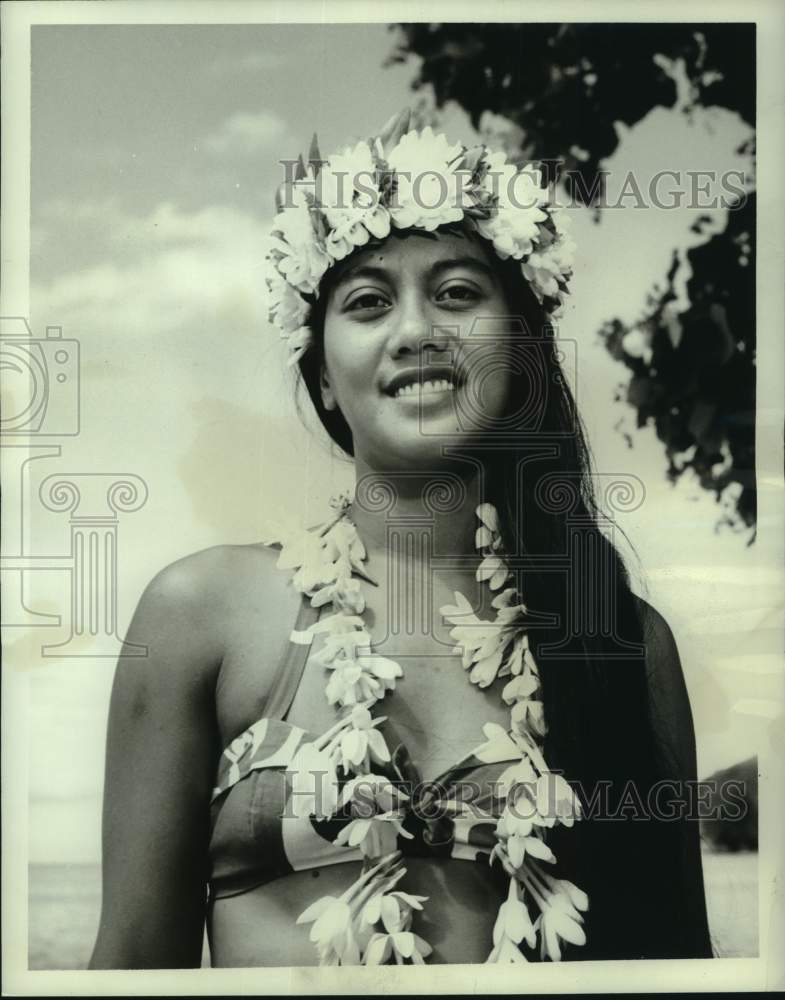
(468, 262)
(362, 271)
(382, 273)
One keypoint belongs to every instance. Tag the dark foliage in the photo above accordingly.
(564, 86)
(735, 803)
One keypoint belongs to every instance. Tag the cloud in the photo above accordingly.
(155, 272)
(245, 132)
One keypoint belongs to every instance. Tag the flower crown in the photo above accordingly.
(407, 179)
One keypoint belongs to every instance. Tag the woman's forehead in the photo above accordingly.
(424, 249)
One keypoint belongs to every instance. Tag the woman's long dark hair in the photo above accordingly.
(594, 684)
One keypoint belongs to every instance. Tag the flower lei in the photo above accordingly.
(407, 179)
(370, 923)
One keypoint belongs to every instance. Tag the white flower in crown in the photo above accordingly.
(430, 191)
(351, 201)
(285, 304)
(294, 245)
(549, 267)
(513, 227)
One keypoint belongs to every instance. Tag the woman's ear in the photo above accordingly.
(328, 396)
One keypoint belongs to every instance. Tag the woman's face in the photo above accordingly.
(405, 360)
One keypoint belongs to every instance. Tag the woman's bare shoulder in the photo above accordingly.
(201, 600)
(215, 577)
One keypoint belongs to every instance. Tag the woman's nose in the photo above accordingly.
(415, 329)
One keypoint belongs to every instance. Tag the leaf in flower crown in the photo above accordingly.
(471, 158)
(314, 156)
(394, 128)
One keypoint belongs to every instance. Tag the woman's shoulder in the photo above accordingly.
(213, 576)
(203, 600)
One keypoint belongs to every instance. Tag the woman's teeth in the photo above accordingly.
(431, 385)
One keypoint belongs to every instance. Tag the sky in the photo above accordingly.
(154, 161)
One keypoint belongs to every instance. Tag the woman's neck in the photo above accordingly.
(435, 511)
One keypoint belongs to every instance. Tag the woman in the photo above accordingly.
(417, 812)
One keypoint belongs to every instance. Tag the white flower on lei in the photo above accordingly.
(333, 931)
(516, 841)
(555, 926)
(506, 952)
(376, 803)
(513, 925)
(374, 835)
(346, 593)
(362, 742)
(394, 909)
(430, 191)
(364, 679)
(528, 716)
(403, 946)
(556, 799)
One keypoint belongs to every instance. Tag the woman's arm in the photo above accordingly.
(675, 737)
(161, 752)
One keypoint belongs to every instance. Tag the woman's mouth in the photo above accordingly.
(429, 387)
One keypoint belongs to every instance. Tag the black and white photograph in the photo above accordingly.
(392, 459)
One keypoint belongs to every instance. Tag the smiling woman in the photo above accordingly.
(481, 777)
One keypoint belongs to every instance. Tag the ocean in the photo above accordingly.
(65, 903)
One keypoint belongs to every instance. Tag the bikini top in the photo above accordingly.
(256, 836)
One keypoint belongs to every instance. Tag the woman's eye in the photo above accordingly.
(368, 300)
(458, 293)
